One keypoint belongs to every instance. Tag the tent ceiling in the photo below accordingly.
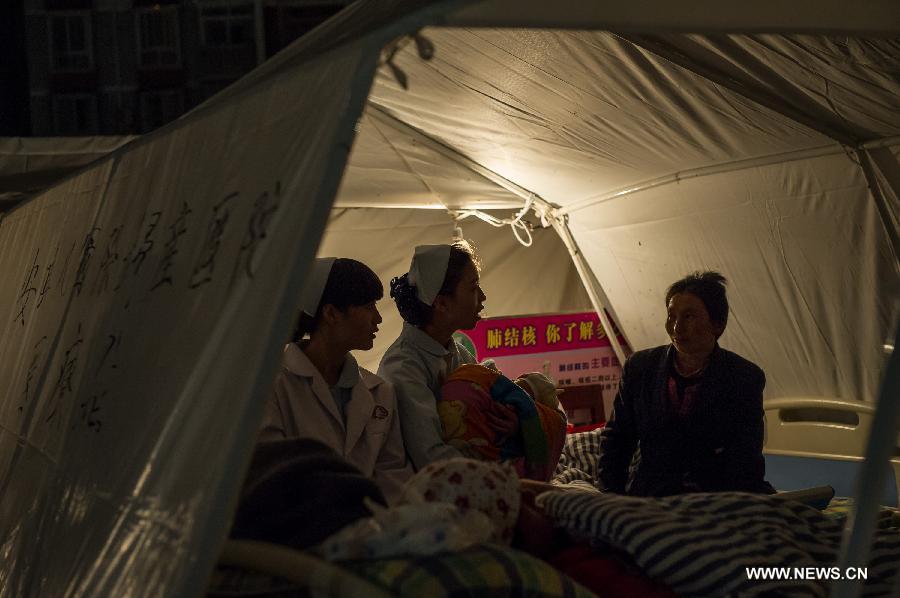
(392, 165)
(573, 115)
(843, 87)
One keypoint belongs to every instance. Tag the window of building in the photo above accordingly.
(75, 114)
(70, 42)
(227, 24)
(158, 40)
(160, 107)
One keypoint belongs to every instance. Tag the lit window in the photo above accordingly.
(160, 107)
(159, 44)
(226, 24)
(70, 42)
(75, 114)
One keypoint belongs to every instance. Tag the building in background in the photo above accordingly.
(14, 119)
(114, 67)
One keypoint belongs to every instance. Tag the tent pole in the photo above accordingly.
(869, 165)
(857, 543)
(683, 175)
(878, 143)
(595, 293)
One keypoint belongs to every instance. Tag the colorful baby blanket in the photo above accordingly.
(472, 391)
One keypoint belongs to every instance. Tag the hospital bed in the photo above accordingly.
(814, 441)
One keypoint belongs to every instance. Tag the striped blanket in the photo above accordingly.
(703, 544)
(579, 459)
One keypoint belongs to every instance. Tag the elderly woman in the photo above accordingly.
(692, 409)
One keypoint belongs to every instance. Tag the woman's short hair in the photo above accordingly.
(709, 287)
(350, 283)
(414, 311)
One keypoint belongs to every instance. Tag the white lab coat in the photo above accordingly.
(301, 406)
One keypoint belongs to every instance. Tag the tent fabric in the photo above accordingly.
(132, 361)
(32, 164)
(395, 167)
(808, 262)
(844, 86)
(571, 115)
(148, 302)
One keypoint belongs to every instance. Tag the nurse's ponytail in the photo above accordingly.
(411, 309)
(305, 326)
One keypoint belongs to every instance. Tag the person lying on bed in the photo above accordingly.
(320, 391)
(468, 397)
(692, 409)
(440, 294)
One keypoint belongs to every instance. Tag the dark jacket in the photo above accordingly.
(717, 447)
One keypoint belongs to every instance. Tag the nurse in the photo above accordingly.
(439, 295)
(322, 393)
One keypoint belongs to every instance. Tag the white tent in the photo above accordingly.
(147, 296)
(31, 164)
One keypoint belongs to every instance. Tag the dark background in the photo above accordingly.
(120, 67)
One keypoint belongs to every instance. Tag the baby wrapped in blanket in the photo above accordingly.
(468, 396)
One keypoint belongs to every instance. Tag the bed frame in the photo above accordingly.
(813, 441)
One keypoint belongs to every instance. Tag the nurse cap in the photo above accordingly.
(315, 285)
(427, 271)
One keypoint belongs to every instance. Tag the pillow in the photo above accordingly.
(491, 488)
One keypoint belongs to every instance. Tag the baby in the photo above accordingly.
(472, 391)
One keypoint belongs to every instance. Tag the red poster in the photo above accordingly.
(572, 349)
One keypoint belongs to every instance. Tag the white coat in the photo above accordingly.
(417, 366)
(301, 406)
